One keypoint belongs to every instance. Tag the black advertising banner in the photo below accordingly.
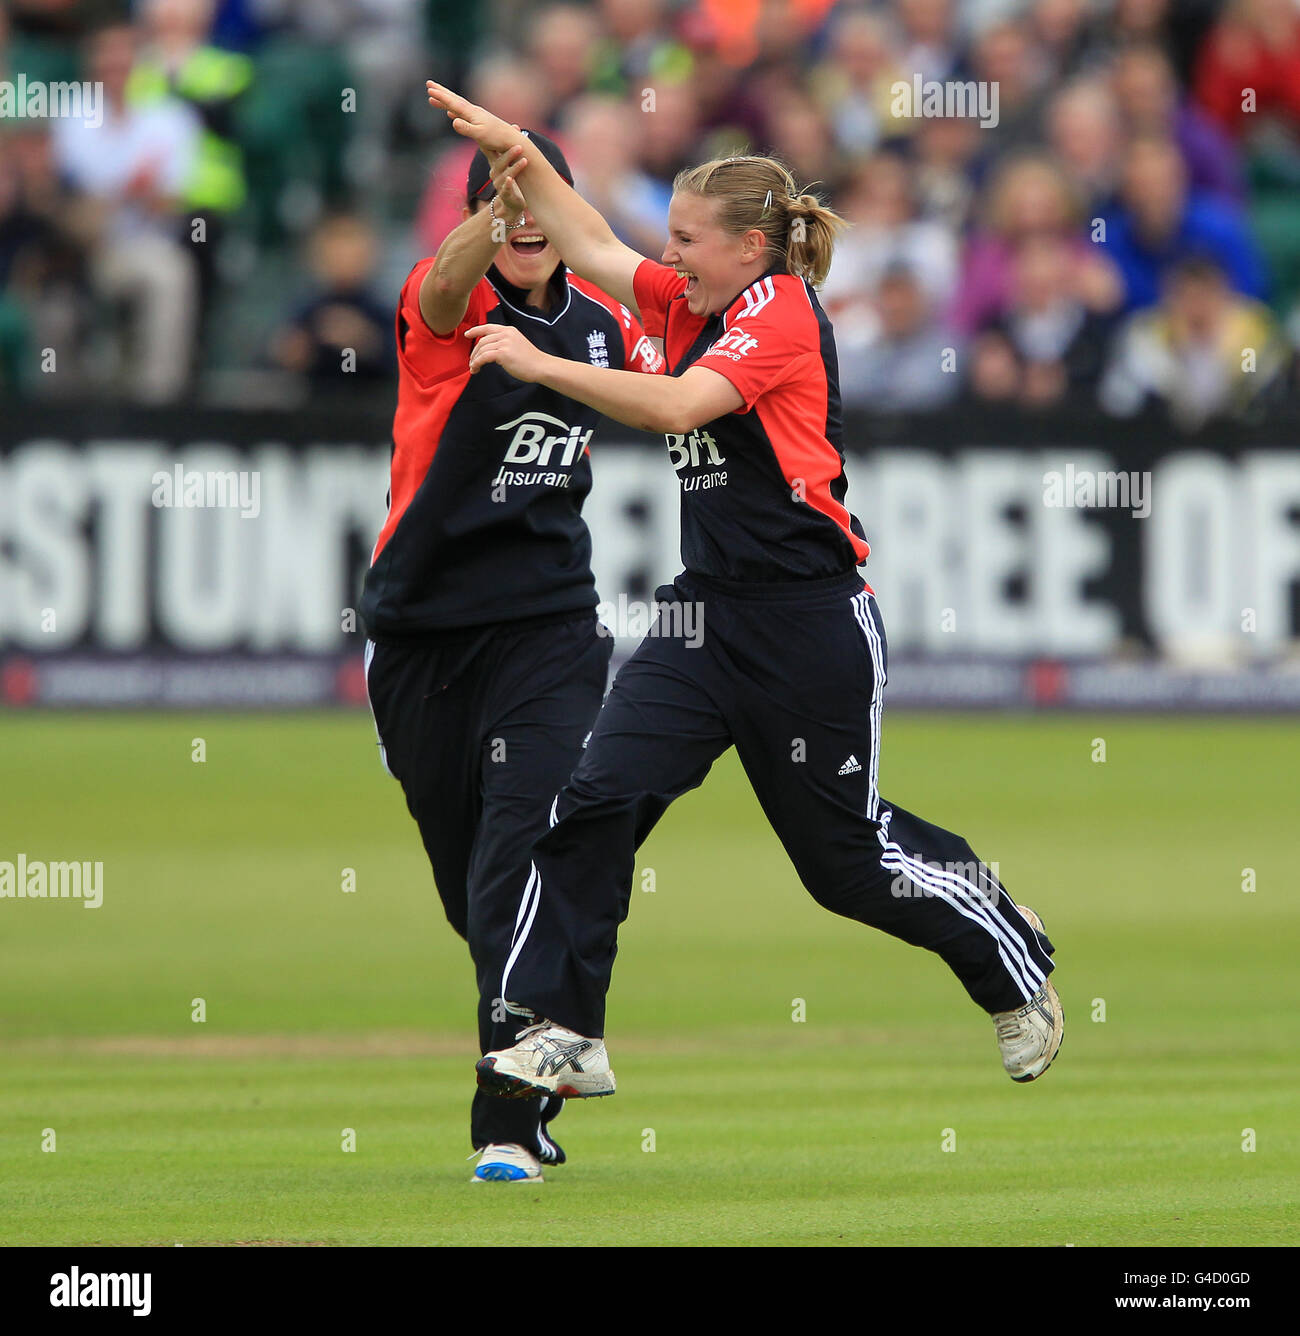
(215, 557)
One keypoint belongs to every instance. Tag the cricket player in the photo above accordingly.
(485, 664)
(793, 662)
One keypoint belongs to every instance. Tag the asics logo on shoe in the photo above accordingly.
(851, 766)
(562, 1056)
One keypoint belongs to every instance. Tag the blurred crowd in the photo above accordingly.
(1127, 234)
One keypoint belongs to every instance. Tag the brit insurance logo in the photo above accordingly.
(550, 446)
(735, 343)
(693, 451)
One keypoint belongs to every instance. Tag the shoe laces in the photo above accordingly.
(1010, 1026)
(1015, 1024)
(532, 1034)
(492, 1145)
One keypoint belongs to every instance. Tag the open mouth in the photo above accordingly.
(532, 244)
(692, 282)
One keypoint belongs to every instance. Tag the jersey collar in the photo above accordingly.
(770, 272)
(517, 298)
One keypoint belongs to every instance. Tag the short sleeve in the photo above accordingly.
(639, 354)
(654, 285)
(425, 353)
(765, 349)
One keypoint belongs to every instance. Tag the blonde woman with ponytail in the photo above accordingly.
(791, 663)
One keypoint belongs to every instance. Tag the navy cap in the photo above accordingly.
(478, 184)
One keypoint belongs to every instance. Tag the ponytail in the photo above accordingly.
(813, 229)
(755, 192)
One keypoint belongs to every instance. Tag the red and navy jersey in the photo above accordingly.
(762, 488)
(489, 473)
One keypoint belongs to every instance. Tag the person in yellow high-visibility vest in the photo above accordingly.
(177, 62)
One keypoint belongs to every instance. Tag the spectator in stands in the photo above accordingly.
(176, 61)
(1204, 350)
(854, 83)
(731, 115)
(1048, 344)
(342, 333)
(14, 232)
(944, 151)
(562, 50)
(902, 362)
(637, 48)
(600, 133)
(929, 46)
(669, 130)
(1158, 221)
(1150, 104)
(1029, 196)
(879, 203)
(1003, 57)
(42, 266)
(1060, 31)
(1085, 134)
(1248, 72)
(1248, 78)
(389, 60)
(1086, 87)
(800, 137)
(1138, 21)
(132, 171)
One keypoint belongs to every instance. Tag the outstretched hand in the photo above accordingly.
(489, 132)
(508, 348)
(505, 168)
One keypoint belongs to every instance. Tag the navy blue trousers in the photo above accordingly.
(793, 677)
(482, 728)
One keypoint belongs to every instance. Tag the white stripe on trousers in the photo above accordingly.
(862, 612)
(952, 889)
(946, 886)
(527, 906)
(383, 751)
(523, 925)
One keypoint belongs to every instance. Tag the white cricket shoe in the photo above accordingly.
(1030, 1036)
(547, 1060)
(507, 1164)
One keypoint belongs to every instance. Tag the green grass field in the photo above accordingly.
(328, 1010)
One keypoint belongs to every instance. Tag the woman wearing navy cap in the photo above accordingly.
(485, 663)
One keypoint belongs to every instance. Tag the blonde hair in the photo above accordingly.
(754, 192)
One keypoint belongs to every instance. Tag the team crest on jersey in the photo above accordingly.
(596, 349)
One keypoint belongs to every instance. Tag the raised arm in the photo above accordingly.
(583, 238)
(464, 257)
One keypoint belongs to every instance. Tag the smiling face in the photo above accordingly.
(527, 259)
(717, 265)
